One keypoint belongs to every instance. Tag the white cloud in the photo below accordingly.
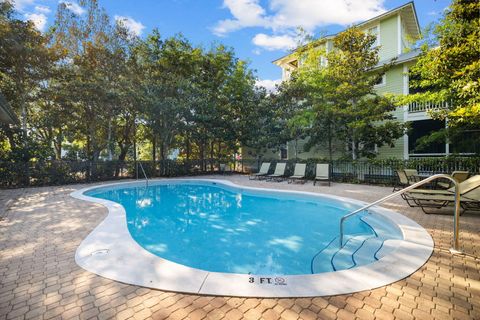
(268, 84)
(310, 14)
(271, 43)
(288, 14)
(21, 4)
(42, 9)
(74, 7)
(284, 16)
(135, 27)
(247, 13)
(38, 19)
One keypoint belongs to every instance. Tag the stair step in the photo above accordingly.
(321, 262)
(366, 253)
(343, 259)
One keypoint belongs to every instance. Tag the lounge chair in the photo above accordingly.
(412, 175)
(402, 181)
(322, 173)
(262, 173)
(299, 173)
(465, 186)
(279, 173)
(460, 176)
(469, 196)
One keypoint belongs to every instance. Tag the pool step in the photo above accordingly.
(343, 258)
(388, 247)
(358, 249)
(321, 261)
(366, 253)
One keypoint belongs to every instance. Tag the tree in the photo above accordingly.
(341, 94)
(25, 61)
(89, 42)
(451, 70)
(167, 69)
(91, 88)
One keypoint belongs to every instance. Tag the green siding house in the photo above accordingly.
(393, 29)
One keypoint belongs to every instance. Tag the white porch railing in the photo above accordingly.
(426, 106)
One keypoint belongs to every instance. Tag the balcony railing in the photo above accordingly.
(426, 106)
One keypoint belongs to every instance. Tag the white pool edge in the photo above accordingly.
(111, 252)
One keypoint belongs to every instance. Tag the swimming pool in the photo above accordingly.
(218, 231)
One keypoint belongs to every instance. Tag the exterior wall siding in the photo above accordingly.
(249, 153)
(316, 152)
(388, 38)
(394, 84)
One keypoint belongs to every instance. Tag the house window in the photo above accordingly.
(422, 129)
(323, 61)
(465, 140)
(381, 81)
(283, 153)
(374, 31)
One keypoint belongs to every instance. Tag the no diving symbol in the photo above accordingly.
(280, 281)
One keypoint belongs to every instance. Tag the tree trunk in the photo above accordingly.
(330, 142)
(354, 151)
(154, 147)
(202, 153)
(296, 148)
(57, 145)
(187, 147)
(109, 141)
(123, 153)
(212, 151)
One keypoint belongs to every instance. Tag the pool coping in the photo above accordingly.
(110, 251)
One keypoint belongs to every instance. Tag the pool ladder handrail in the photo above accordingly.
(143, 170)
(456, 216)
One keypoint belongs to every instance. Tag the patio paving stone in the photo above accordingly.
(40, 229)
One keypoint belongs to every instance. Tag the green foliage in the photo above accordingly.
(88, 89)
(339, 96)
(450, 70)
(25, 61)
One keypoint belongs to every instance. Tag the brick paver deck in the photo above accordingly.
(41, 229)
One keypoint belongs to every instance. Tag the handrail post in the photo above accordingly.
(456, 220)
(456, 215)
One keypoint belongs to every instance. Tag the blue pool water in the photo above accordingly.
(226, 229)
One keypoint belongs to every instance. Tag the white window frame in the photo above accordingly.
(383, 83)
(280, 152)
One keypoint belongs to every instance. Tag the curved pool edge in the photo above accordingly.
(111, 252)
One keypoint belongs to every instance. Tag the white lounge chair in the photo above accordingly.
(298, 173)
(279, 173)
(263, 171)
(322, 173)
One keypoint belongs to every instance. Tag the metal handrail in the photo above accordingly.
(413, 186)
(144, 174)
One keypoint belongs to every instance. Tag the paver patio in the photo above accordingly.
(41, 229)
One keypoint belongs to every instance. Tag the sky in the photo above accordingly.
(260, 31)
